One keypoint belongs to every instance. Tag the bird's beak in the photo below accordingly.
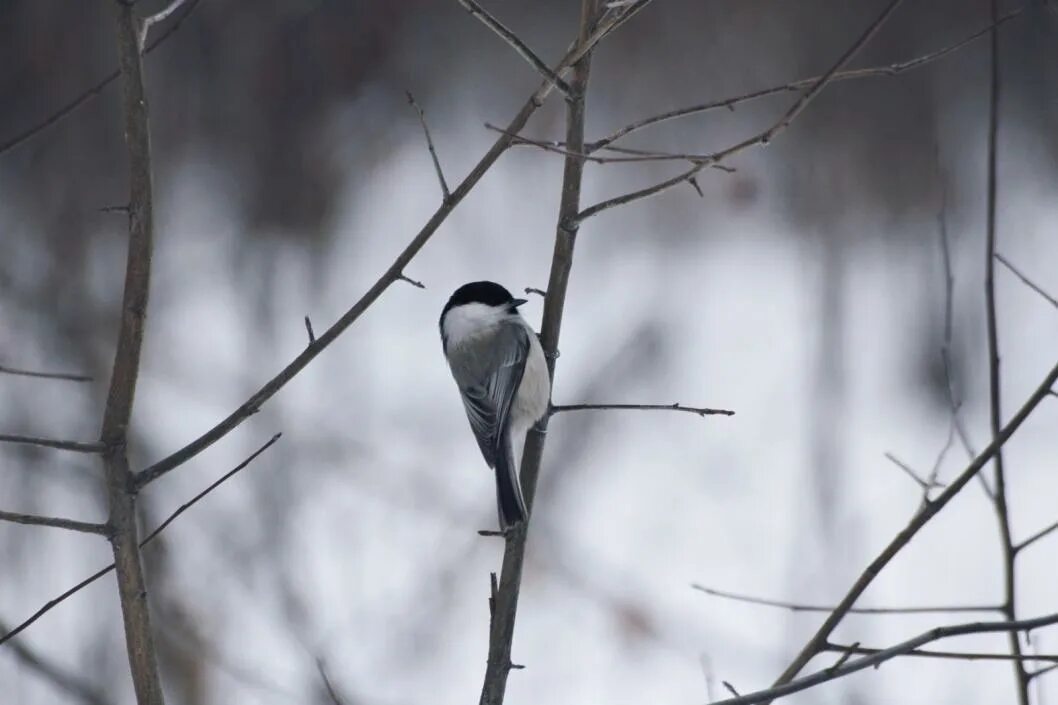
(518, 302)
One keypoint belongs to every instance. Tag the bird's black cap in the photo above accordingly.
(485, 292)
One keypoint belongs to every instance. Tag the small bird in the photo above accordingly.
(499, 366)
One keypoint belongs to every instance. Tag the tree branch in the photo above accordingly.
(44, 375)
(994, 387)
(924, 485)
(1036, 537)
(856, 649)
(505, 602)
(701, 411)
(445, 193)
(121, 491)
(883, 655)
(515, 43)
(68, 109)
(160, 16)
(730, 103)
(816, 643)
(762, 138)
(51, 604)
(394, 273)
(75, 446)
(34, 520)
(1026, 281)
(799, 607)
(633, 156)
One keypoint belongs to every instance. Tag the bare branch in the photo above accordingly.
(331, 692)
(924, 485)
(69, 377)
(121, 495)
(634, 156)
(68, 109)
(308, 329)
(417, 284)
(515, 43)
(34, 520)
(51, 604)
(1026, 281)
(394, 273)
(160, 16)
(762, 138)
(501, 627)
(945, 351)
(800, 607)
(994, 388)
(919, 520)
(730, 688)
(856, 649)
(75, 446)
(883, 655)
(1036, 537)
(445, 193)
(1043, 671)
(730, 103)
(701, 411)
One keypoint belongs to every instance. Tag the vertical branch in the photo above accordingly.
(1000, 497)
(121, 492)
(505, 601)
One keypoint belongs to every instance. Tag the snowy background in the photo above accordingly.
(805, 291)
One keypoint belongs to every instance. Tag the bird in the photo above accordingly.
(500, 369)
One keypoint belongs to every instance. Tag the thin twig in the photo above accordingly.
(331, 692)
(919, 520)
(160, 16)
(845, 656)
(634, 156)
(1043, 671)
(994, 380)
(445, 193)
(883, 655)
(760, 139)
(58, 523)
(924, 485)
(69, 377)
(945, 351)
(730, 688)
(801, 607)
(856, 649)
(700, 411)
(68, 109)
(75, 446)
(1036, 537)
(1026, 281)
(391, 275)
(51, 604)
(408, 280)
(308, 329)
(729, 103)
(515, 43)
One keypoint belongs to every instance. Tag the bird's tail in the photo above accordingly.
(509, 498)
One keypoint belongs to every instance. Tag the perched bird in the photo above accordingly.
(499, 367)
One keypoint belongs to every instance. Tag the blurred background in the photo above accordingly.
(805, 290)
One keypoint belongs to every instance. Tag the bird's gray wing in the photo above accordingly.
(488, 372)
